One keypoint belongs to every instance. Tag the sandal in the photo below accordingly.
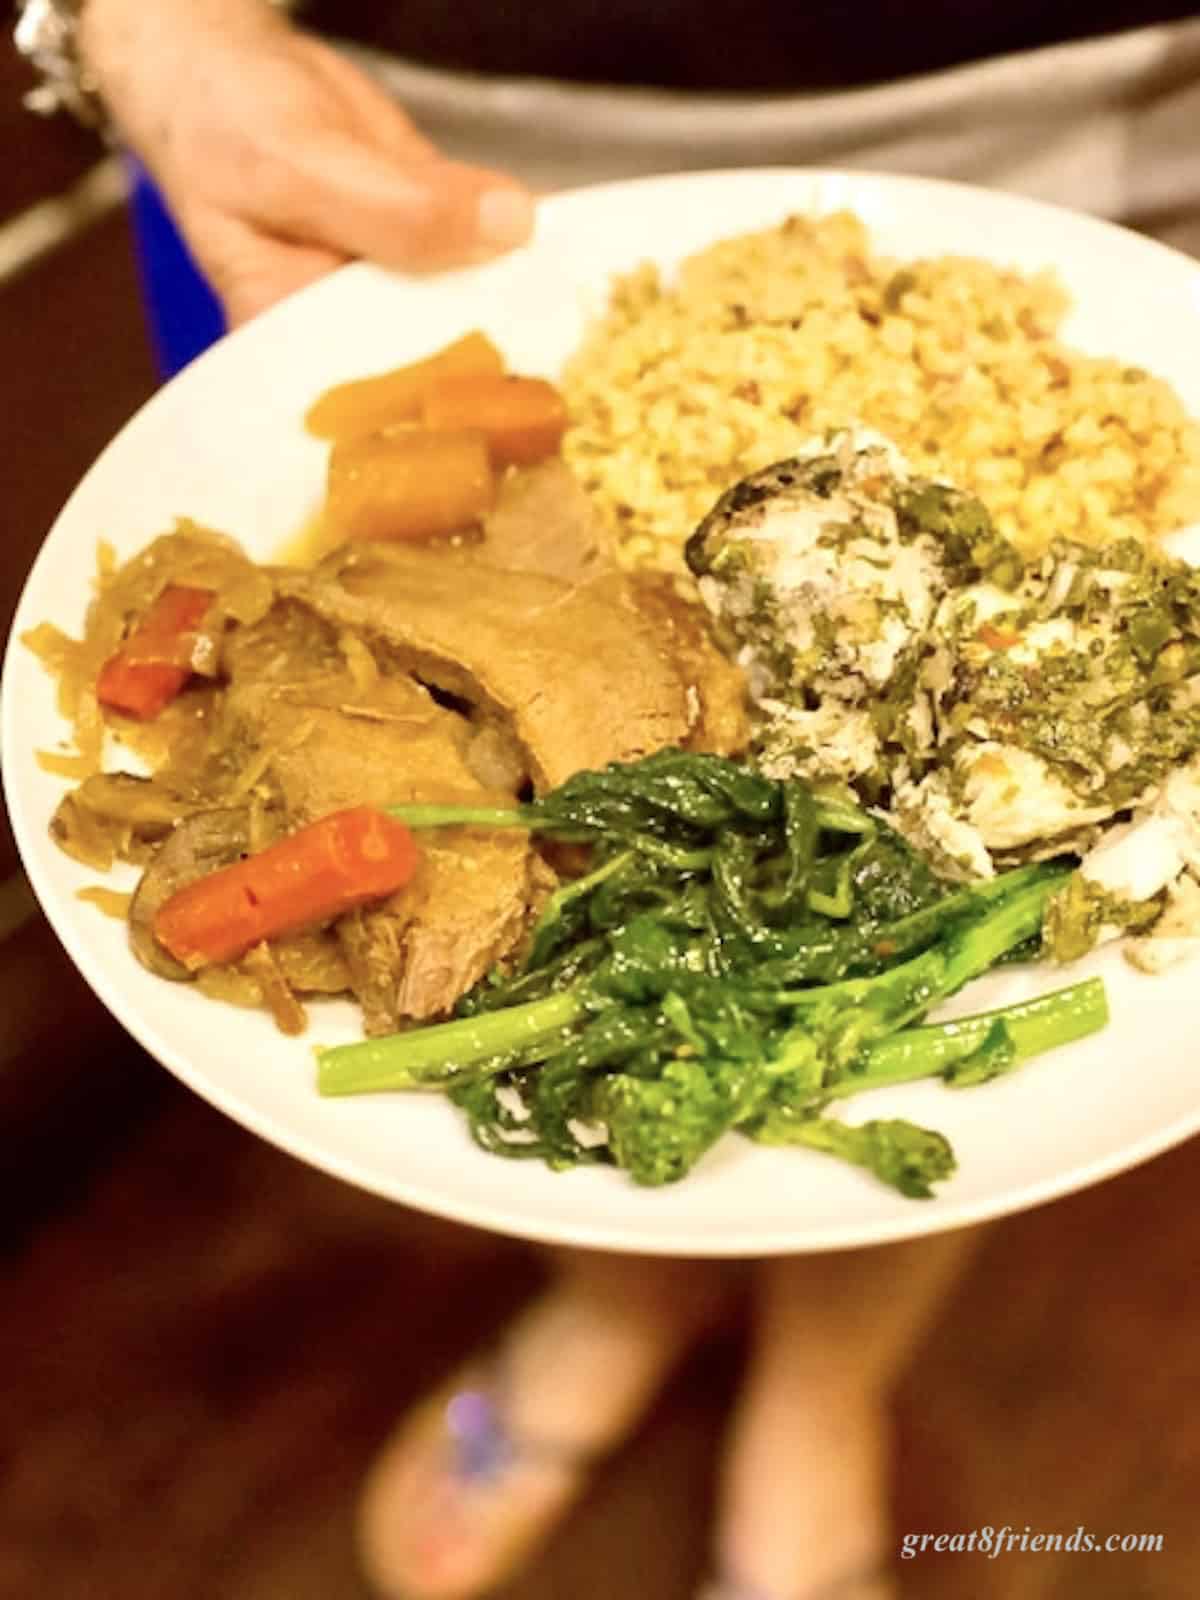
(476, 1477)
(459, 1497)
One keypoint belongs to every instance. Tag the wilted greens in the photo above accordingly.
(739, 953)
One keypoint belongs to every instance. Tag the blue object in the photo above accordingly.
(483, 1448)
(185, 315)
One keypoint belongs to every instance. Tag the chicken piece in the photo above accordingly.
(994, 800)
(833, 740)
(1014, 798)
(812, 572)
(926, 814)
(826, 575)
(1175, 937)
(1140, 858)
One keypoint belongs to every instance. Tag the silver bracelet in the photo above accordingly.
(47, 34)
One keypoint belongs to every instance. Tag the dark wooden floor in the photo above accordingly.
(202, 1341)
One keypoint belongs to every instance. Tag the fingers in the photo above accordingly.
(283, 159)
(250, 270)
(348, 200)
(416, 213)
(459, 213)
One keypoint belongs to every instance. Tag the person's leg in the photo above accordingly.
(476, 1478)
(803, 1506)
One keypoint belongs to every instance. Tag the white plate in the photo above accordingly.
(223, 443)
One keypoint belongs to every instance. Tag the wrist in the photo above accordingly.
(136, 54)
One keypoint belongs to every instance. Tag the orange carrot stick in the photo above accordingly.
(367, 404)
(998, 638)
(523, 419)
(323, 870)
(154, 663)
(410, 484)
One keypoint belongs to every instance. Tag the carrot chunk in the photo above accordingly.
(154, 663)
(368, 404)
(409, 484)
(317, 873)
(998, 638)
(523, 419)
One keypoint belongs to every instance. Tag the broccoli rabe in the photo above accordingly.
(899, 1153)
(1081, 913)
(740, 953)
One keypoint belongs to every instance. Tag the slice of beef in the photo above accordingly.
(327, 744)
(580, 674)
(544, 521)
(324, 729)
(335, 746)
(464, 910)
(722, 724)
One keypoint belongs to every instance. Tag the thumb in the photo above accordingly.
(416, 212)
